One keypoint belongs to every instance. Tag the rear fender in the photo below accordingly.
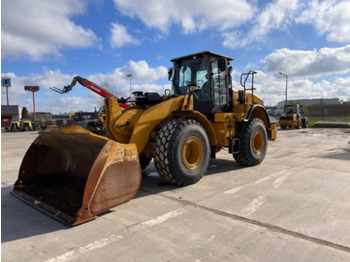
(258, 111)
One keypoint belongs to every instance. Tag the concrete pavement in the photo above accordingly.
(295, 206)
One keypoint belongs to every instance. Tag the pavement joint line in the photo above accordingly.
(267, 226)
(332, 170)
(277, 175)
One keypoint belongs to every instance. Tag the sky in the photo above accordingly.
(47, 43)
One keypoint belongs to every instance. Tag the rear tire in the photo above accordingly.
(182, 152)
(253, 144)
(305, 123)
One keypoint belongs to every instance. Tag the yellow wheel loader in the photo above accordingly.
(74, 175)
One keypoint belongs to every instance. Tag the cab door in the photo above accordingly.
(220, 87)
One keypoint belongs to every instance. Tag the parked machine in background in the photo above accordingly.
(59, 122)
(181, 130)
(292, 118)
(26, 125)
(37, 125)
(15, 126)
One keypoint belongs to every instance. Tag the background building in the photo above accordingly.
(41, 116)
(9, 113)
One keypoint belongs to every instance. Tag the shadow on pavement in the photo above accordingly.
(340, 156)
(153, 183)
(19, 220)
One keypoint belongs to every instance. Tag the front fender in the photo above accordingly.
(151, 118)
(198, 117)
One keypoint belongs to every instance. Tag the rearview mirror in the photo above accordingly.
(170, 74)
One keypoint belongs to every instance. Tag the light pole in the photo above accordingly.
(32, 89)
(286, 102)
(129, 76)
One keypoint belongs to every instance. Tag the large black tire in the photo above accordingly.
(253, 139)
(182, 152)
(305, 123)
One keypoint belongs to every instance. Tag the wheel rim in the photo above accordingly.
(192, 152)
(258, 142)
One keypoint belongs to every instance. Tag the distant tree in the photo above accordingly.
(25, 114)
(305, 110)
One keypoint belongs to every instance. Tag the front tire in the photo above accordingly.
(253, 144)
(182, 152)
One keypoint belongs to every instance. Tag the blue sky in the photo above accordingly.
(47, 43)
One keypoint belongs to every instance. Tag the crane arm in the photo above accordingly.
(88, 84)
(84, 82)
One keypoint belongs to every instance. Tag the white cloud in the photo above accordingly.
(18, 96)
(307, 72)
(143, 73)
(307, 63)
(192, 16)
(37, 28)
(272, 88)
(276, 15)
(120, 37)
(144, 78)
(328, 17)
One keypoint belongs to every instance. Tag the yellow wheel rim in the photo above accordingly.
(258, 142)
(192, 152)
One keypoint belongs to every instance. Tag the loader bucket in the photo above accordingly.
(74, 175)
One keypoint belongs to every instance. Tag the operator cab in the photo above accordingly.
(207, 76)
(293, 109)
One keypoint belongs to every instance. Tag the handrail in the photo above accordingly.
(243, 84)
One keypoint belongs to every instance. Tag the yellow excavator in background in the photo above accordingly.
(74, 175)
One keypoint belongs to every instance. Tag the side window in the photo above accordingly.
(184, 78)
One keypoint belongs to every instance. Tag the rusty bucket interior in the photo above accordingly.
(74, 175)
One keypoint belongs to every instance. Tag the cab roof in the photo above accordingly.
(201, 53)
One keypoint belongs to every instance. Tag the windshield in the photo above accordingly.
(190, 72)
(291, 109)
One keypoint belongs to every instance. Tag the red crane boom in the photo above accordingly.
(88, 84)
